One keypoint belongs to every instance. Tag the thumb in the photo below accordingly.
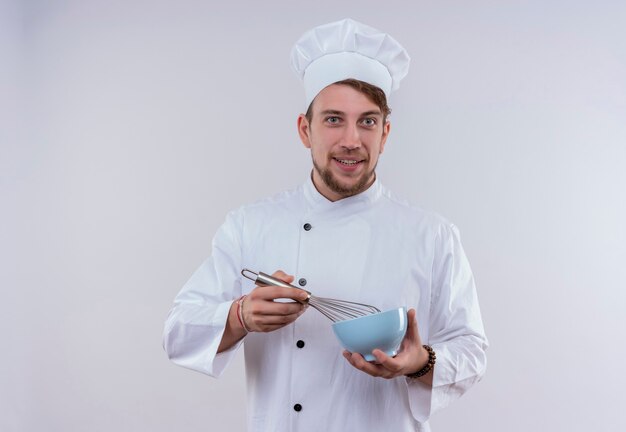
(411, 331)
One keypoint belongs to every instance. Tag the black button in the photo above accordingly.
(297, 407)
(307, 226)
(300, 344)
(302, 281)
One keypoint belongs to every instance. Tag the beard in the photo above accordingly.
(342, 190)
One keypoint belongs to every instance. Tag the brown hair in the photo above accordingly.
(373, 93)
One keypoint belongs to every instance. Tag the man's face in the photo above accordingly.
(346, 135)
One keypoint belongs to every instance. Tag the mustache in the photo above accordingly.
(350, 155)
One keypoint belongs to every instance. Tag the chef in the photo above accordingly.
(341, 234)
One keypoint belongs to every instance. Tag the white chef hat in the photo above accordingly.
(348, 49)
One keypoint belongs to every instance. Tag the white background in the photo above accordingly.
(130, 128)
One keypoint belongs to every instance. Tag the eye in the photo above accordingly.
(369, 121)
(332, 120)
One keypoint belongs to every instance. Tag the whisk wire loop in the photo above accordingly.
(333, 309)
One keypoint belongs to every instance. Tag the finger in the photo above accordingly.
(392, 364)
(276, 292)
(258, 315)
(276, 319)
(270, 307)
(265, 307)
(270, 323)
(281, 275)
(360, 363)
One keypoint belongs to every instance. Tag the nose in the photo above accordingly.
(351, 139)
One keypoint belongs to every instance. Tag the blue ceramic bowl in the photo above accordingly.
(384, 330)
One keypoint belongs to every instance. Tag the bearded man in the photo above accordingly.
(346, 236)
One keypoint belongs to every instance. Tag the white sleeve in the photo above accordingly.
(456, 330)
(196, 323)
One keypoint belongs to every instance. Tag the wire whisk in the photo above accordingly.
(333, 309)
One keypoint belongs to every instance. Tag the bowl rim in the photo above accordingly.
(371, 315)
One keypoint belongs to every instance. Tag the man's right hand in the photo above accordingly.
(261, 313)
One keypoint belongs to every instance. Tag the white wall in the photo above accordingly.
(131, 127)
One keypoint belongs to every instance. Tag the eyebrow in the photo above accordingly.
(372, 113)
(365, 114)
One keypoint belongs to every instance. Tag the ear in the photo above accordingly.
(304, 130)
(383, 139)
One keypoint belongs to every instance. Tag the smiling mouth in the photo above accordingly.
(348, 162)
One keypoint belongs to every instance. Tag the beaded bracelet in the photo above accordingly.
(432, 358)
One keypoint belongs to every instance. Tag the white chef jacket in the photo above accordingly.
(371, 248)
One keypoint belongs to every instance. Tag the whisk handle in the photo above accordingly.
(265, 279)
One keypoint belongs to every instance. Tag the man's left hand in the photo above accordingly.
(411, 357)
